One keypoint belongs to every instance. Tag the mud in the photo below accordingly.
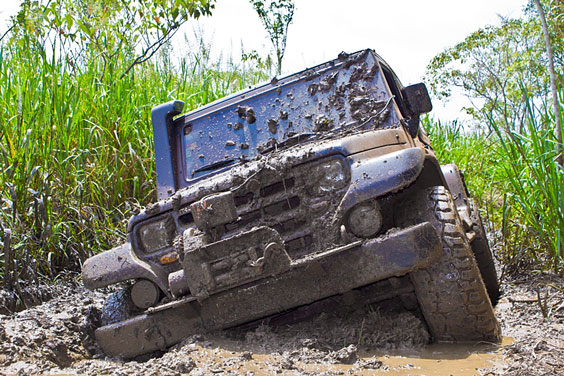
(276, 191)
(531, 311)
(25, 295)
(56, 337)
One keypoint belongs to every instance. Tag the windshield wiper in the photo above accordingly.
(214, 166)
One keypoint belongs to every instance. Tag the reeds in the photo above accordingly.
(76, 148)
(516, 176)
(533, 185)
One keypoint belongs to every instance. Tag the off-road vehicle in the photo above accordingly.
(319, 186)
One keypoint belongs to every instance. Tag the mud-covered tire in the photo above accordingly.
(451, 293)
(117, 307)
(483, 253)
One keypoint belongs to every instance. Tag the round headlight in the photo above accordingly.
(157, 235)
(331, 176)
(365, 220)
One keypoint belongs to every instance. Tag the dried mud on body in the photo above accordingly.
(55, 337)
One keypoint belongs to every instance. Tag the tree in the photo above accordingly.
(107, 30)
(495, 65)
(552, 74)
(276, 16)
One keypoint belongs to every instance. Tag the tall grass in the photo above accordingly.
(533, 186)
(519, 182)
(76, 156)
(76, 148)
(471, 150)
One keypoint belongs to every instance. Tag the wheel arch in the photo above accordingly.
(431, 174)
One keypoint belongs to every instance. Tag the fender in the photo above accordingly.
(455, 183)
(117, 265)
(375, 177)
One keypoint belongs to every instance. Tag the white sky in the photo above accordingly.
(407, 34)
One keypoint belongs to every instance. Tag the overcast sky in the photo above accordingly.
(407, 34)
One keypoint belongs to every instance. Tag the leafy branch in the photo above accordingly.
(276, 16)
(107, 30)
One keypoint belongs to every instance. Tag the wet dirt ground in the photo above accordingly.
(52, 338)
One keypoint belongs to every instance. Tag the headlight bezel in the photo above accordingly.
(146, 230)
(322, 173)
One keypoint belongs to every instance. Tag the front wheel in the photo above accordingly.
(483, 254)
(451, 293)
(117, 307)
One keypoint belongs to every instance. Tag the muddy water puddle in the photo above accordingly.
(442, 359)
(234, 357)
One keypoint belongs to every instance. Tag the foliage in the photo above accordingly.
(520, 178)
(518, 181)
(276, 16)
(470, 150)
(117, 33)
(554, 10)
(533, 181)
(263, 63)
(76, 147)
(490, 66)
(552, 74)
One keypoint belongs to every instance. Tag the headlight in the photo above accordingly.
(329, 176)
(158, 234)
(365, 220)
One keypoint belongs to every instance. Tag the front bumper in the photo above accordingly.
(307, 280)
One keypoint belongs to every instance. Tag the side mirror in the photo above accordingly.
(417, 99)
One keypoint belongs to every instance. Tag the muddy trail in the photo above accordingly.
(55, 338)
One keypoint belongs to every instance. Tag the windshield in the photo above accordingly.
(321, 102)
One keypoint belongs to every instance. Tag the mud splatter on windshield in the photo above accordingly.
(331, 99)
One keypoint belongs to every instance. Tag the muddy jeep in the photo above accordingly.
(314, 188)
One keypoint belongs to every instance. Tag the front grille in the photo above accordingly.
(284, 205)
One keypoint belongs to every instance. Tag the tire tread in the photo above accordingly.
(451, 293)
